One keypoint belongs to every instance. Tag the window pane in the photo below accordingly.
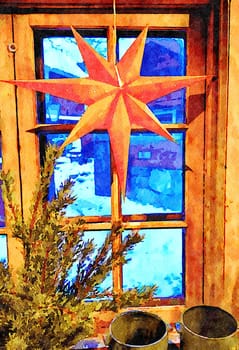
(155, 181)
(163, 57)
(3, 248)
(87, 163)
(62, 59)
(157, 260)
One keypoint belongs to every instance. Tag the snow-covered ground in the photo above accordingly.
(157, 260)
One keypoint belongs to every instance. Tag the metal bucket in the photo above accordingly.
(208, 328)
(138, 329)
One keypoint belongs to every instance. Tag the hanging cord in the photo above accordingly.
(115, 40)
(114, 15)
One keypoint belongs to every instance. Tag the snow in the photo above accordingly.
(3, 248)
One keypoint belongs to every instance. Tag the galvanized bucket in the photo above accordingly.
(138, 329)
(206, 327)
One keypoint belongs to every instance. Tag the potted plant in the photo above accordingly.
(41, 308)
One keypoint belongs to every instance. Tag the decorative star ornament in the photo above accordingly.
(116, 96)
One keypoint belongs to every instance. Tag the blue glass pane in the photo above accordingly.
(3, 248)
(163, 57)
(87, 163)
(99, 238)
(155, 180)
(157, 260)
(62, 59)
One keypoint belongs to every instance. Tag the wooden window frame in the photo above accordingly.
(200, 290)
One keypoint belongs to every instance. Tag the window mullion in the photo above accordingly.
(116, 220)
(115, 192)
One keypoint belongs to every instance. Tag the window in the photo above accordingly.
(155, 181)
(164, 194)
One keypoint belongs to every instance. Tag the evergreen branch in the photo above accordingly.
(44, 267)
(34, 213)
(93, 268)
(7, 189)
(66, 252)
(129, 242)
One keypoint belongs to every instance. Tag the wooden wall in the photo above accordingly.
(231, 278)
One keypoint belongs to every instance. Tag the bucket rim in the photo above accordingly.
(202, 336)
(138, 312)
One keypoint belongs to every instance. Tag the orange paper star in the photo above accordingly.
(116, 96)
